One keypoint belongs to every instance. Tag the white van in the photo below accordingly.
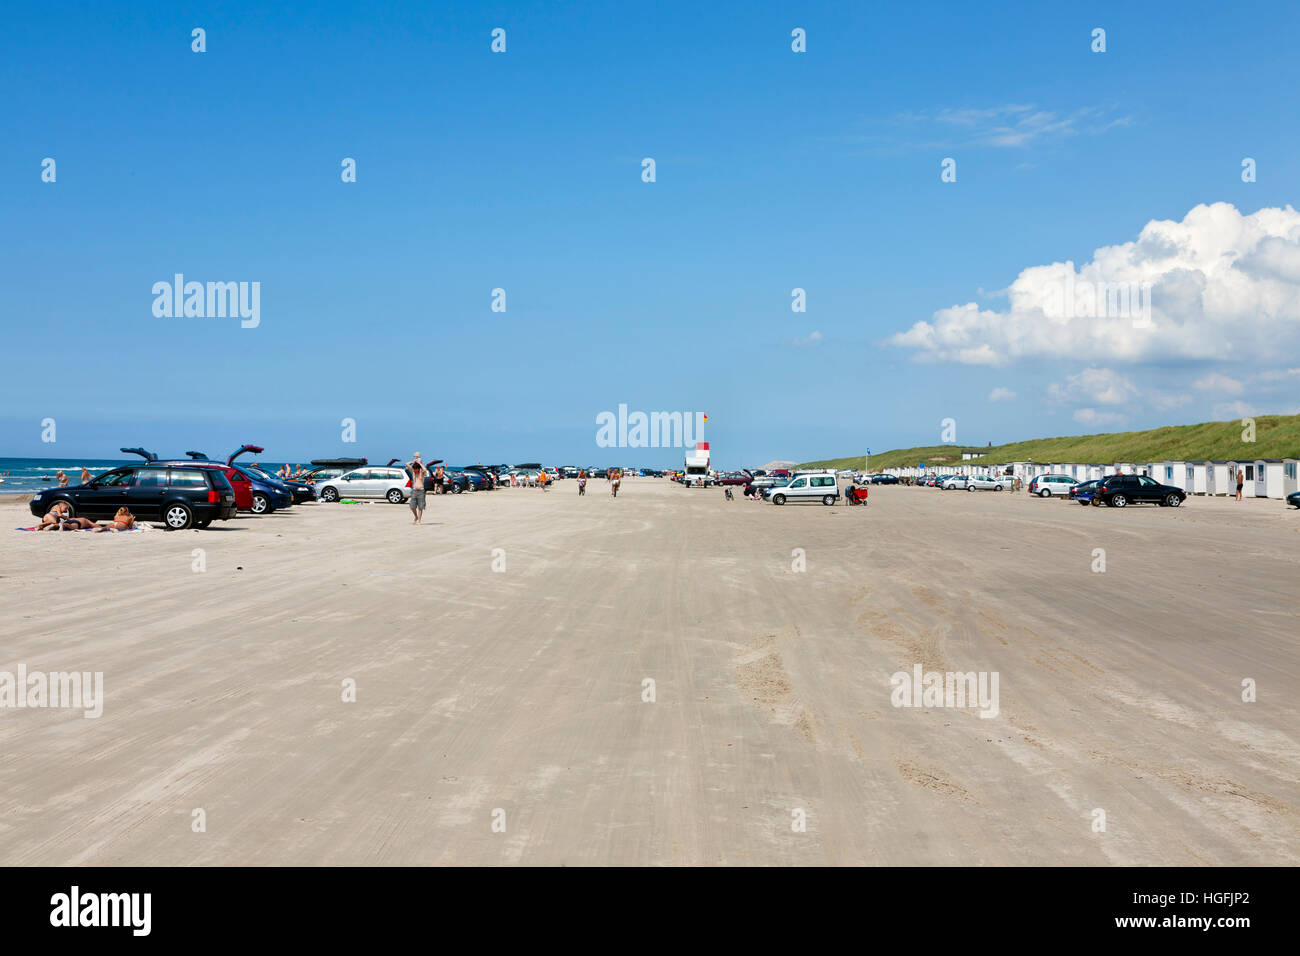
(817, 486)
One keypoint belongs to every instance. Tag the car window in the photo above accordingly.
(150, 478)
(799, 483)
(353, 476)
(113, 479)
(186, 478)
(1146, 482)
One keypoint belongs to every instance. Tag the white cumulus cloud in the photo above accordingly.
(1216, 382)
(1001, 394)
(1217, 285)
(1093, 386)
(1090, 416)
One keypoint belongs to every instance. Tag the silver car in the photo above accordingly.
(823, 488)
(368, 482)
(987, 482)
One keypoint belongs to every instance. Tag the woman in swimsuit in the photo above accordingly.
(122, 521)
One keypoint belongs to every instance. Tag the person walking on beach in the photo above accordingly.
(615, 476)
(439, 478)
(1241, 480)
(582, 482)
(418, 473)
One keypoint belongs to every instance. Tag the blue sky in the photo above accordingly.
(522, 171)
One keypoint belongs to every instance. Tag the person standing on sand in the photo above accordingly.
(418, 473)
(439, 477)
(582, 482)
(1241, 480)
(615, 477)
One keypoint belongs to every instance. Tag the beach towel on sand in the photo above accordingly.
(108, 530)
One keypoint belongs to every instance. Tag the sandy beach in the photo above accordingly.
(523, 690)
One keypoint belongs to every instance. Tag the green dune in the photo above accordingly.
(1276, 436)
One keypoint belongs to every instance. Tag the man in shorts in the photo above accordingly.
(418, 474)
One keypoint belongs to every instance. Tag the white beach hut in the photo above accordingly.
(1195, 478)
(1170, 473)
(1269, 478)
(1247, 470)
(1216, 478)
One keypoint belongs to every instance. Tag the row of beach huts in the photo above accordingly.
(1263, 477)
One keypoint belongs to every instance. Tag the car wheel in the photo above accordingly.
(970, 487)
(997, 487)
(260, 504)
(1045, 493)
(456, 489)
(1118, 501)
(178, 517)
(394, 496)
(1173, 501)
(326, 494)
(778, 499)
(828, 499)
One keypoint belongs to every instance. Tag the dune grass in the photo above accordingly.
(1276, 436)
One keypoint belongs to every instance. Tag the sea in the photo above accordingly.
(26, 475)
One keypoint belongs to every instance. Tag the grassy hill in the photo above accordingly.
(1276, 436)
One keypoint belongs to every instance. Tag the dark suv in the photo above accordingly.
(1119, 491)
(179, 496)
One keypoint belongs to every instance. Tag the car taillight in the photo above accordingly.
(212, 496)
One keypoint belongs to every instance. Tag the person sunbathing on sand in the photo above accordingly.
(57, 517)
(122, 521)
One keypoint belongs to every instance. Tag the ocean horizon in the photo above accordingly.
(26, 475)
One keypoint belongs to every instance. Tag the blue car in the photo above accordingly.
(1293, 499)
(1084, 492)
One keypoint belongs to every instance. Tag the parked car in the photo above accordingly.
(735, 478)
(369, 482)
(251, 494)
(1083, 492)
(1045, 486)
(180, 496)
(266, 496)
(323, 468)
(884, 479)
(1293, 499)
(986, 483)
(1119, 491)
(955, 482)
(823, 488)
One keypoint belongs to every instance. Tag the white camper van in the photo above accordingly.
(699, 474)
